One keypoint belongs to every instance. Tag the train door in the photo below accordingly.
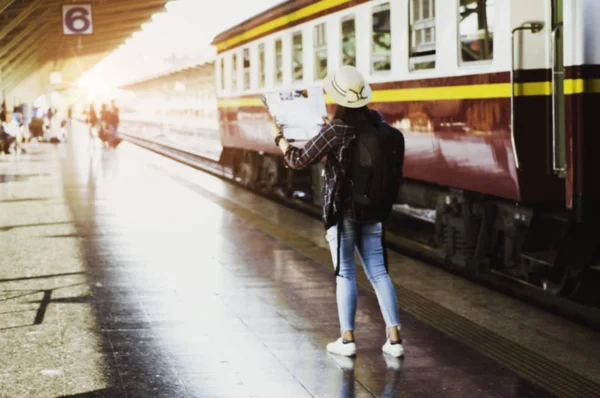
(558, 94)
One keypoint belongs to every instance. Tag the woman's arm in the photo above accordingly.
(313, 151)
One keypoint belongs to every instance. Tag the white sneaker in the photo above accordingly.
(341, 347)
(395, 350)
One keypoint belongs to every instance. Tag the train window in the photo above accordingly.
(297, 61)
(381, 45)
(422, 34)
(246, 68)
(234, 73)
(476, 30)
(222, 73)
(348, 41)
(261, 65)
(278, 61)
(320, 49)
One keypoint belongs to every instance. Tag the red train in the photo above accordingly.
(496, 100)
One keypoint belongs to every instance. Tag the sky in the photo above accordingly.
(185, 29)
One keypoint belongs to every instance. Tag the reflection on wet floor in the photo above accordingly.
(4, 178)
(23, 200)
(191, 300)
(264, 313)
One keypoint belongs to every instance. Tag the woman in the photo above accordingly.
(346, 228)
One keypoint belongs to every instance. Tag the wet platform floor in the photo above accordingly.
(124, 282)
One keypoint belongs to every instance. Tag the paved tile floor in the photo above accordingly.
(116, 280)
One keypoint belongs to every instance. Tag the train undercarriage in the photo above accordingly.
(539, 247)
(478, 236)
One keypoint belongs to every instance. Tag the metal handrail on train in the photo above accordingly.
(555, 167)
(534, 27)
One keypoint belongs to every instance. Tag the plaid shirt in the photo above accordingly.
(333, 141)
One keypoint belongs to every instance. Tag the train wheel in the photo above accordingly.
(555, 282)
(269, 173)
(586, 291)
(247, 171)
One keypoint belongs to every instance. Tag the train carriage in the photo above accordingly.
(495, 98)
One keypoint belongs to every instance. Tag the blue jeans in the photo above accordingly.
(367, 238)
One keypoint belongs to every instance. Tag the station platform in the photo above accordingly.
(126, 274)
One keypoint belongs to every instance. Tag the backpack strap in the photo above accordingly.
(384, 248)
(340, 223)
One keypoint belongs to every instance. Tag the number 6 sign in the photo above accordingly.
(77, 19)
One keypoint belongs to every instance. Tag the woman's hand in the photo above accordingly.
(277, 128)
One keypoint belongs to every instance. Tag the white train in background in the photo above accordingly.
(178, 109)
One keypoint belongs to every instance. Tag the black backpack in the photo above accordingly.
(376, 161)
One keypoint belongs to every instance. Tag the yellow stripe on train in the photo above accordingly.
(474, 91)
(477, 91)
(578, 86)
(279, 22)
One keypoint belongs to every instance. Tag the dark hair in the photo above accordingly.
(353, 115)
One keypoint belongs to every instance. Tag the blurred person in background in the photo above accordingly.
(3, 111)
(17, 116)
(92, 119)
(104, 118)
(36, 125)
(114, 115)
(9, 132)
(109, 119)
(39, 124)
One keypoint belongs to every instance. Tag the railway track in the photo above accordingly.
(404, 234)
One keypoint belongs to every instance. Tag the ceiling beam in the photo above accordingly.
(106, 47)
(13, 23)
(92, 52)
(119, 16)
(125, 32)
(130, 5)
(100, 47)
(4, 4)
(115, 23)
(105, 31)
(19, 78)
(24, 45)
(14, 81)
(73, 44)
(25, 55)
(9, 64)
(33, 30)
(113, 20)
(25, 68)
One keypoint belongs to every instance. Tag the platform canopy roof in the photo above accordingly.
(32, 40)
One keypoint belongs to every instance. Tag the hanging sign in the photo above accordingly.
(77, 19)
